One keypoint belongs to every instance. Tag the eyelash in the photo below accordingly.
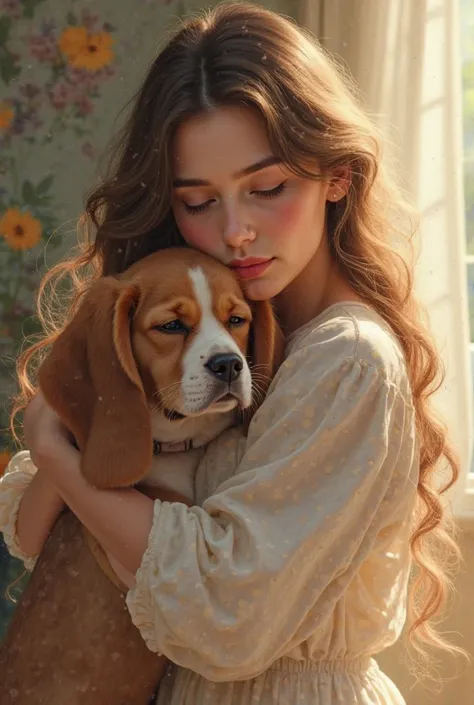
(271, 193)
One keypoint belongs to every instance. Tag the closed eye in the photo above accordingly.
(263, 193)
(272, 192)
(200, 208)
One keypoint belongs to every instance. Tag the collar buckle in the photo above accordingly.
(172, 447)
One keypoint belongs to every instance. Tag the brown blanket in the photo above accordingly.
(71, 640)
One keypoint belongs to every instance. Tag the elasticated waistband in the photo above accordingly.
(327, 666)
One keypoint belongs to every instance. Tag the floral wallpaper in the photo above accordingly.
(67, 67)
(53, 67)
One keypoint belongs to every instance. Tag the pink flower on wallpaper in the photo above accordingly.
(26, 118)
(11, 8)
(81, 77)
(60, 94)
(74, 89)
(26, 110)
(77, 87)
(43, 47)
(30, 91)
(85, 106)
(65, 92)
(89, 20)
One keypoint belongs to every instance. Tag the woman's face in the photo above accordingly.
(233, 200)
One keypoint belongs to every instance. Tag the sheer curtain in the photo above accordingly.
(404, 56)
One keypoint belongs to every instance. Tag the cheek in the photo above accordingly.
(159, 361)
(241, 337)
(166, 372)
(197, 234)
(294, 214)
(289, 214)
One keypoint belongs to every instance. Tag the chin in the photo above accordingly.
(261, 290)
(266, 287)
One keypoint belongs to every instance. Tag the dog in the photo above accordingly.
(153, 365)
(154, 362)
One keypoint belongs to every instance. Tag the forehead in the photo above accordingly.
(219, 143)
(206, 284)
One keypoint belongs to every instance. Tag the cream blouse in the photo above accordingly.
(291, 571)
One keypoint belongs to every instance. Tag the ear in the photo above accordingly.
(266, 351)
(91, 380)
(340, 183)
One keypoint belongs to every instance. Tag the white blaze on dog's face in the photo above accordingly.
(190, 333)
(214, 367)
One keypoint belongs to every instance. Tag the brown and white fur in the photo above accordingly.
(115, 381)
(119, 381)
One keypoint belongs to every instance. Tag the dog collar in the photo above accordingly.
(176, 447)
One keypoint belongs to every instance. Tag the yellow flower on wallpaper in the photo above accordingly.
(73, 40)
(86, 51)
(20, 229)
(6, 116)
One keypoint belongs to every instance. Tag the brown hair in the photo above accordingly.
(242, 54)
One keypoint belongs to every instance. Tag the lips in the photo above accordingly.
(250, 267)
(247, 262)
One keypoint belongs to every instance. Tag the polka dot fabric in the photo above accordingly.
(291, 571)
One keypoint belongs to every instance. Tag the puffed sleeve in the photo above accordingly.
(227, 588)
(18, 475)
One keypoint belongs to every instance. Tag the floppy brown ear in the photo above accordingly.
(266, 350)
(91, 380)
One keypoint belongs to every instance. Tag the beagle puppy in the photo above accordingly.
(155, 363)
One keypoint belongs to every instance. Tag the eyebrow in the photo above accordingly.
(252, 169)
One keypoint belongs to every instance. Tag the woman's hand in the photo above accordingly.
(121, 520)
(45, 435)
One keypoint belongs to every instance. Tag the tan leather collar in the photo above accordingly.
(176, 447)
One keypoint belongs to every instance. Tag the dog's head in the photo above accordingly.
(172, 334)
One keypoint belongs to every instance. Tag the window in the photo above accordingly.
(417, 95)
(467, 58)
(467, 48)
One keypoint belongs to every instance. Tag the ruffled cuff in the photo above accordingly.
(17, 477)
(139, 599)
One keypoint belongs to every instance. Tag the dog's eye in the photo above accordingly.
(235, 321)
(175, 326)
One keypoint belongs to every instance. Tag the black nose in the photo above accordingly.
(225, 366)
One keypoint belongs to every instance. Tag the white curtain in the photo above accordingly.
(404, 56)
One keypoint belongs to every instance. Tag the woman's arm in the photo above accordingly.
(328, 472)
(120, 520)
(330, 461)
(40, 506)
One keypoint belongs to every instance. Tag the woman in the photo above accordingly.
(291, 572)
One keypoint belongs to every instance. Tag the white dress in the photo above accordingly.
(291, 571)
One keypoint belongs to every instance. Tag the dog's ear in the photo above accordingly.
(266, 349)
(91, 380)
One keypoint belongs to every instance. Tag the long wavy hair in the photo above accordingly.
(240, 54)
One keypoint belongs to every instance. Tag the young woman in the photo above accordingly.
(291, 572)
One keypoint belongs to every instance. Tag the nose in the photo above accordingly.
(225, 366)
(236, 232)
